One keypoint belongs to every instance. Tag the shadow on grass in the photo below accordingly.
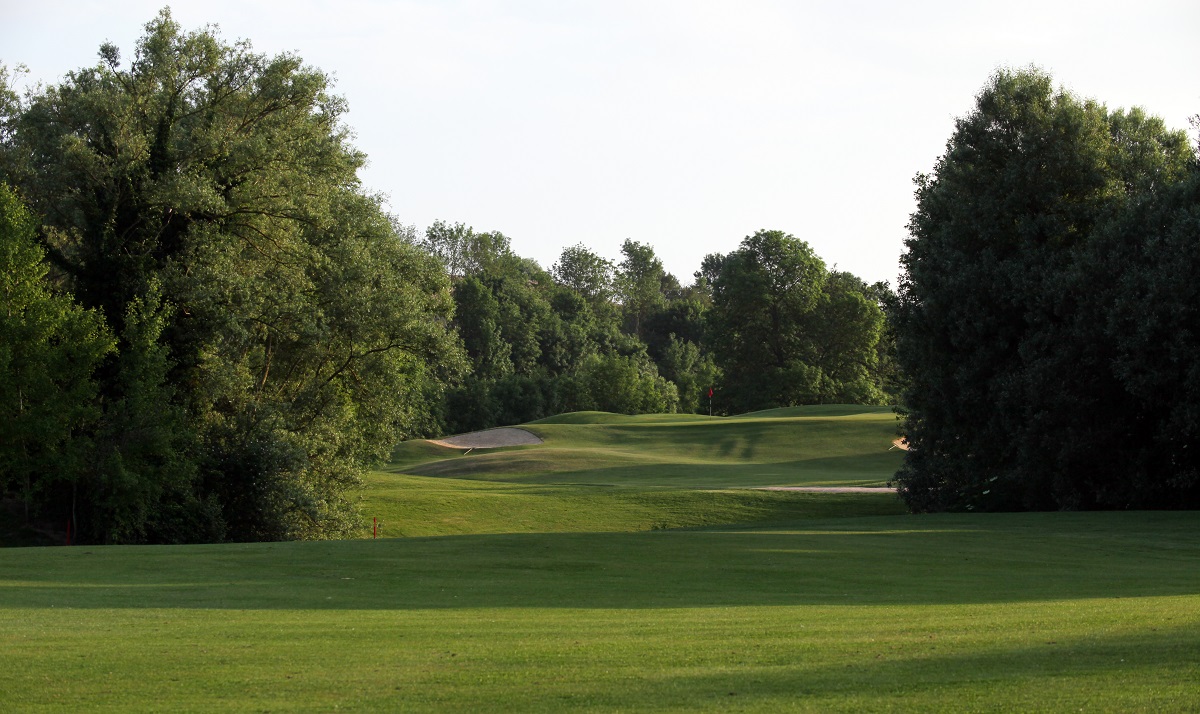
(943, 559)
(1138, 672)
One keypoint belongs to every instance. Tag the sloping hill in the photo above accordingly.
(826, 445)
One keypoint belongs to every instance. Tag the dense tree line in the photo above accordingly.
(1047, 317)
(254, 329)
(210, 328)
(767, 325)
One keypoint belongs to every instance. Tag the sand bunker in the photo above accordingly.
(831, 489)
(489, 439)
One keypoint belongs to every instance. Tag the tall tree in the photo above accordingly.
(1012, 401)
(303, 335)
(586, 273)
(846, 328)
(784, 330)
(463, 251)
(762, 294)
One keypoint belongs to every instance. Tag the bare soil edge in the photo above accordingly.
(489, 439)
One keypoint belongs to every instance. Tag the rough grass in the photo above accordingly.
(1098, 611)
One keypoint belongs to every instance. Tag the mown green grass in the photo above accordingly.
(424, 506)
(828, 445)
(624, 565)
(1058, 611)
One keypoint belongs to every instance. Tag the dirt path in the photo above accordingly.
(831, 489)
(489, 439)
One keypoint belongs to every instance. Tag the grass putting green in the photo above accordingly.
(598, 472)
(1058, 611)
(827, 445)
(425, 506)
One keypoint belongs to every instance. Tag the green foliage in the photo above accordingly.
(302, 335)
(477, 318)
(815, 336)
(640, 278)
(1143, 265)
(142, 485)
(586, 273)
(540, 346)
(461, 250)
(847, 328)
(1016, 395)
(692, 372)
(623, 384)
(50, 349)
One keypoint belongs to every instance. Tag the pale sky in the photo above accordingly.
(685, 125)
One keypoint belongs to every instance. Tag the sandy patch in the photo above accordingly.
(831, 489)
(489, 439)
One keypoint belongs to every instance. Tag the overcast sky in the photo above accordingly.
(685, 125)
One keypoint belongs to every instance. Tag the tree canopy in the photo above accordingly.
(784, 330)
(211, 327)
(1041, 228)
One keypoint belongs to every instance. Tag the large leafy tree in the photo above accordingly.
(1142, 269)
(462, 250)
(585, 272)
(214, 192)
(1012, 401)
(50, 349)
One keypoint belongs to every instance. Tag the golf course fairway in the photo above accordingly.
(501, 596)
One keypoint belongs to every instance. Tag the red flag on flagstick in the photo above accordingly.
(710, 392)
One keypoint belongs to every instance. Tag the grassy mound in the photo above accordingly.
(424, 506)
(597, 471)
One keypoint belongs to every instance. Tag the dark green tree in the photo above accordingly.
(785, 331)
(586, 273)
(1011, 398)
(463, 251)
(846, 328)
(1141, 269)
(50, 350)
(303, 336)
(478, 320)
(639, 278)
(691, 370)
